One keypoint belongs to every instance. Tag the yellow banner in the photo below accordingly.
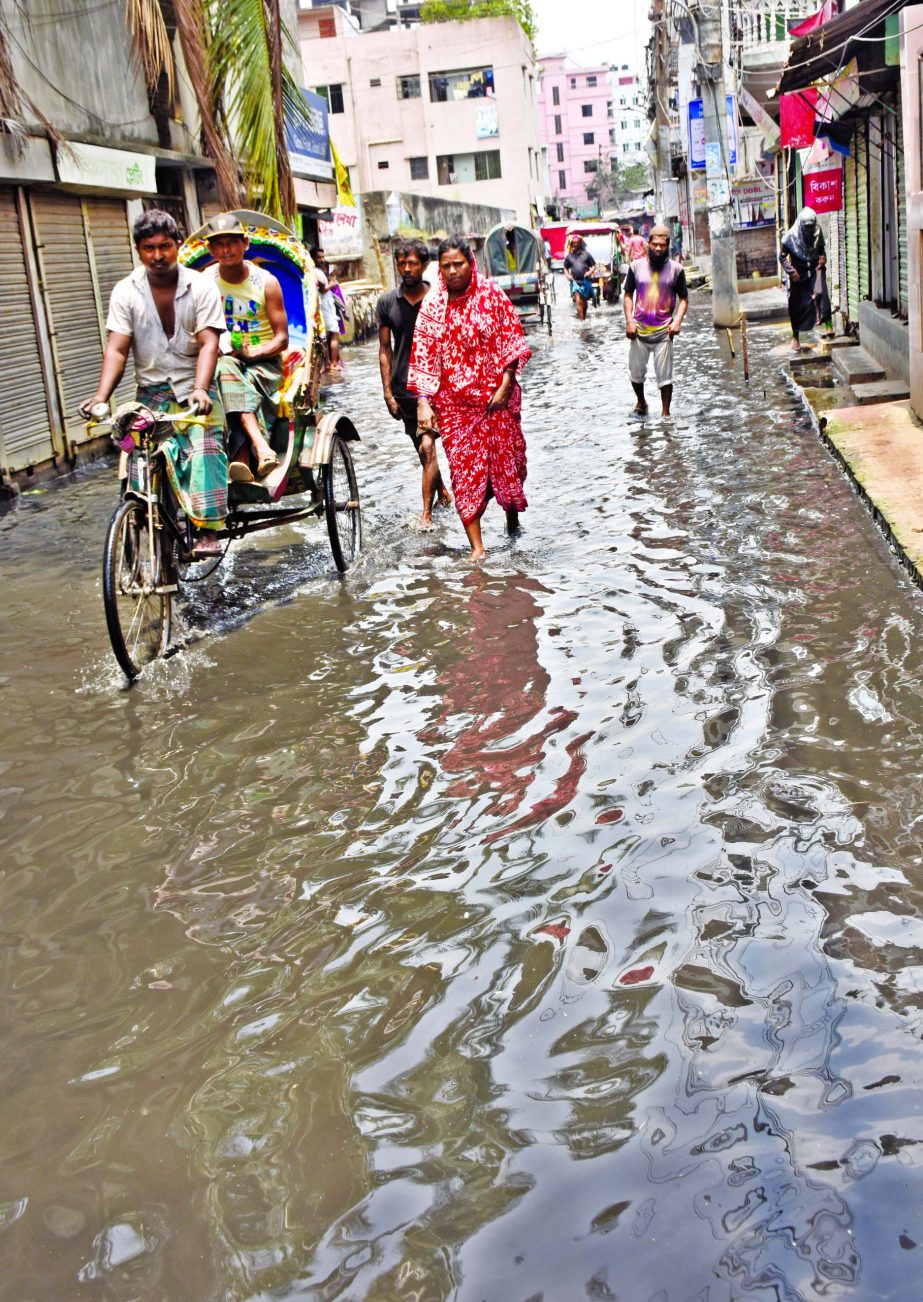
(345, 197)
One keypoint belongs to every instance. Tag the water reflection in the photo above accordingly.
(552, 930)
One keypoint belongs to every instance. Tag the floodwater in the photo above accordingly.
(550, 930)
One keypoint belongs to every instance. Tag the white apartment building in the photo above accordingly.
(441, 109)
(630, 128)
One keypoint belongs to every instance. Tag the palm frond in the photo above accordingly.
(15, 104)
(193, 36)
(151, 41)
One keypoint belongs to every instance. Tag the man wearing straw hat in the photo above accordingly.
(655, 300)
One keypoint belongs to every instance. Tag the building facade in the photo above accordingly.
(442, 109)
(578, 133)
(631, 128)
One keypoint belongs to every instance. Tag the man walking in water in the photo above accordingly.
(396, 314)
(579, 269)
(655, 301)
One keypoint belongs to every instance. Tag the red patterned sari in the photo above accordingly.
(461, 347)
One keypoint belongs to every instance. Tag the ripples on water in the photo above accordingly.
(550, 930)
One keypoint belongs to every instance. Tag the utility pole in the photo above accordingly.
(661, 73)
(725, 304)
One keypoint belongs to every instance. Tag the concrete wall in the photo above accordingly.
(389, 216)
(75, 62)
(886, 338)
(911, 53)
(378, 133)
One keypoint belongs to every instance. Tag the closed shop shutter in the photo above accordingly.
(852, 241)
(901, 221)
(25, 429)
(70, 300)
(862, 201)
(111, 245)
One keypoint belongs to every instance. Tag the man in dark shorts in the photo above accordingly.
(579, 266)
(397, 315)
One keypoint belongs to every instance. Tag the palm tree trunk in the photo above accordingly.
(286, 183)
(192, 31)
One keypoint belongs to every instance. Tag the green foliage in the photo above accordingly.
(447, 11)
(636, 176)
(613, 185)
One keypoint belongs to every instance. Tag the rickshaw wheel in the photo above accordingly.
(341, 505)
(138, 619)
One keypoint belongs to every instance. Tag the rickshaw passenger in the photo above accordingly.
(249, 373)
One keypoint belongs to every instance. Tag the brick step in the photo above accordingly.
(880, 391)
(857, 367)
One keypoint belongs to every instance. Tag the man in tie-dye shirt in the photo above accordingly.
(655, 301)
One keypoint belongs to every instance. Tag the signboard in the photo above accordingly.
(823, 190)
(341, 236)
(107, 169)
(759, 115)
(697, 133)
(719, 191)
(309, 146)
(754, 203)
(486, 122)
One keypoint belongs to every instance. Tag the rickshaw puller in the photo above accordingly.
(579, 268)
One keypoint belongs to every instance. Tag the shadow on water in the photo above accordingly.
(551, 929)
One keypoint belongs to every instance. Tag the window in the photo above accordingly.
(591, 164)
(462, 83)
(591, 80)
(626, 149)
(586, 110)
(624, 126)
(556, 95)
(558, 129)
(560, 152)
(458, 169)
(326, 27)
(573, 83)
(589, 137)
(419, 169)
(562, 180)
(612, 135)
(374, 81)
(333, 95)
(487, 165)
(408, 87)
(383, 164)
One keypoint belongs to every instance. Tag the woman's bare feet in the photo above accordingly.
(476, 554)
(444, 498)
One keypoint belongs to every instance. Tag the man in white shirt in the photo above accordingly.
(170, 318)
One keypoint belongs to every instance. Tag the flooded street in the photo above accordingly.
(549, 930)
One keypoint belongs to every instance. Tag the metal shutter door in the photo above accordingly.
(852, 236)
(25, 429)
(110, 241)
(70, 300)
(862, 204)
(901, 221)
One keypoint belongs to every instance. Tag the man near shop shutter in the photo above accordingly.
(170, 319)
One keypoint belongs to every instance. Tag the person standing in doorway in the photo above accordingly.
(655, 301)
(579, 269)
(396, 314)
(170, 319)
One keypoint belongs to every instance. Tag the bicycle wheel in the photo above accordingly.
(137, 616)
(341, 505)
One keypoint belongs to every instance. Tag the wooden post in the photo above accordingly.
(743, 346)
(731, 343)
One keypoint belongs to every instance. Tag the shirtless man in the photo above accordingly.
(397, 315)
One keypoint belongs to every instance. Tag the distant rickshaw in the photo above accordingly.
(513, 256)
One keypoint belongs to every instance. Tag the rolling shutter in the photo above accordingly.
(110, 243)
(862, 204)
(902, 301)
(70, 299)
(25, 428)
(852, 238)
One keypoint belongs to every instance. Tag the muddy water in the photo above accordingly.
(551, 931)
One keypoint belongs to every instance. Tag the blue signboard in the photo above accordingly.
(697, 133)
(309, 146)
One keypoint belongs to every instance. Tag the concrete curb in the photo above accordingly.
(888, 517)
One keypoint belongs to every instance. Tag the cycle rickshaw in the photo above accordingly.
(149, 543)
(514, 257)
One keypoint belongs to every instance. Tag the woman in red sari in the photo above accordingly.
(468, 348)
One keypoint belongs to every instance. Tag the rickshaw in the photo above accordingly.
(513, 256)
(149, 543)
(603, 240)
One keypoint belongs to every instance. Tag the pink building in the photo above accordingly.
(576, 128)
